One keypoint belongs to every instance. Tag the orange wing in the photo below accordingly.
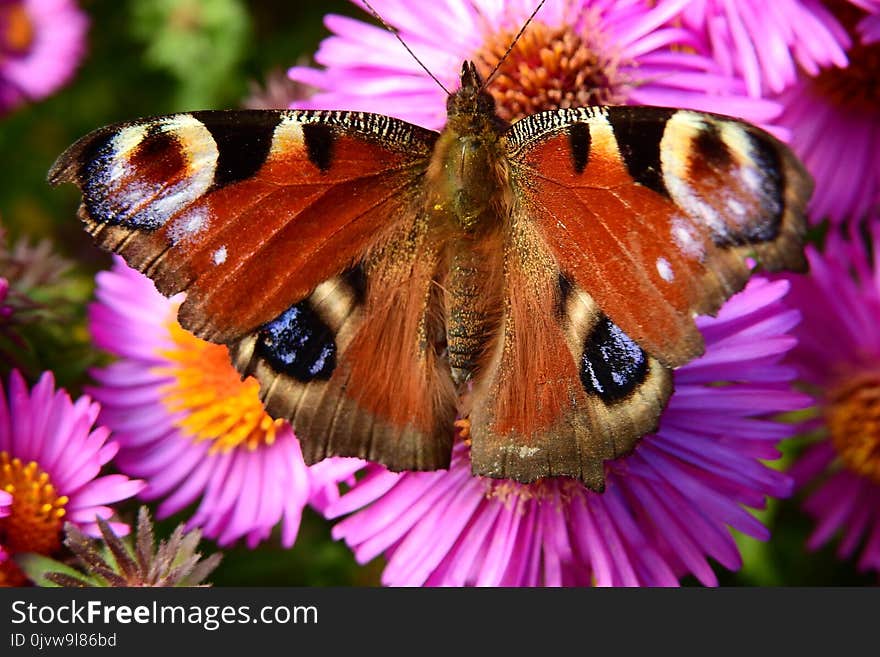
(626, 223)
(563, 389)
(300, 241)
(655, 211)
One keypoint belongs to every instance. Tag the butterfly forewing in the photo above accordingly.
(654, 211)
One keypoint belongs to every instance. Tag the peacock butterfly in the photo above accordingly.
(380, 279)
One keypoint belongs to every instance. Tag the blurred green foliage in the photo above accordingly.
(159, 56)
(199, 43)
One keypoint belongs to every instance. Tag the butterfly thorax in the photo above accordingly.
(466, 172)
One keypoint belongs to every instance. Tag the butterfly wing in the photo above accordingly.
(655, 211)
(563, 389)
(626, 223)
(300, 241)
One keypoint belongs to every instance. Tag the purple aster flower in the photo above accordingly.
(41, 44)
(188, 424)
(838, 355)
(835, 125)
(869, 27)
(573, 54)
(666, 508)
(50, 458)
(765, 42)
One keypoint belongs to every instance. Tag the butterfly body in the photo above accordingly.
(379, 279)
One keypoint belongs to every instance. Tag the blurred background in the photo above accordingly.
(150, 57)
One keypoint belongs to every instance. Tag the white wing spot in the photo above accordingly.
(665, 270)
(751, 178)
(686, 238)
(738, 209)
(188, 224)
(219, 255)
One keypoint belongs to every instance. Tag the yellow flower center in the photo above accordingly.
(559, 490)
(856, 87)
(550, 68)
(852, 413)
(37, 514)
(216, 404)
(16, 29)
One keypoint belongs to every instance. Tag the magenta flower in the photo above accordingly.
(835, 125)
(590, 52)
(869, 28)
(50, 458)
(41, 44)
(190, 427)
(838, 356)
(766, 42)
(666, 508)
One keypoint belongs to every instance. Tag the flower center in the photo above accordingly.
(16, 30)
(853, 417)
(36, 516)
(552, 67)
(856, 87)
(216, 404)
(558, 490)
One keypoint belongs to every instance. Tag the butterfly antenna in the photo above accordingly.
(398, 37)
(512, 44)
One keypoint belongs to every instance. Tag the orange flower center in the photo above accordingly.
(852, 413)
(559, 490)
(215, 403)
(856, 87)
(16, 29)
(37, 514)
(551, 67)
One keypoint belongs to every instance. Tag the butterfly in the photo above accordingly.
(380, 280)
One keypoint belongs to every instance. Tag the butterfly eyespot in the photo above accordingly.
(612, 364)
(298, 343)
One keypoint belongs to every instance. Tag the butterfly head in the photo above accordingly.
(471, 105)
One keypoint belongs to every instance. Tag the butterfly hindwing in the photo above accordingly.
(353, 371)
(564, 388)
(300, 241)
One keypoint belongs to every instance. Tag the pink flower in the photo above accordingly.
(838, 356)
(591, 51)
(50, 458)
(190, 427)
(766, 42)
(835, 125)
(666, 508)
(41, 44)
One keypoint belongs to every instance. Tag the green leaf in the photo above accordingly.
(37, 566)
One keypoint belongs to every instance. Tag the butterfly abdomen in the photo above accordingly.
(474, 302)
